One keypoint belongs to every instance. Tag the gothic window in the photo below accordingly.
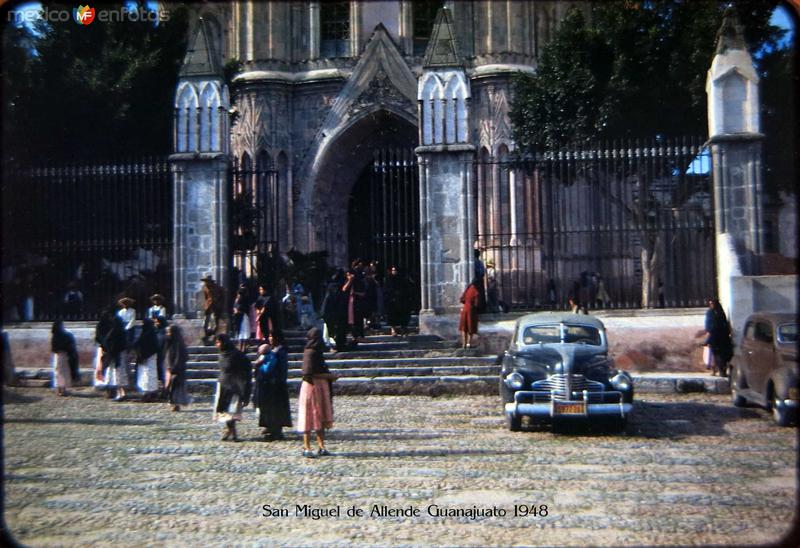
(334, 20)
(186, 118)
(424, 15)
(210, 118)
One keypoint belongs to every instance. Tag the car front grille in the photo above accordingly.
(567, 387)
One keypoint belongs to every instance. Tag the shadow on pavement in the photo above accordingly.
(384, 433)
(99, 422)
(10, 396)
(424, 453)
(679, 420)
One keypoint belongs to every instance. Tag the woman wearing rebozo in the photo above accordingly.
(718, 349)
(175, 357)
(234, 386)
(315, 407)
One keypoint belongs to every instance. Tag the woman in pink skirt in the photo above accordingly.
(315, 407)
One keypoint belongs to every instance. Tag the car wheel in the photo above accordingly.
(514, 422)
(737, 399)
(779, 412)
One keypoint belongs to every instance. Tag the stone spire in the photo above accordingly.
(729, 35)
(201, 59)
(442, 48)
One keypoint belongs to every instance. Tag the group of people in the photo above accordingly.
(359, 298)
(269, 393)
(151, 359)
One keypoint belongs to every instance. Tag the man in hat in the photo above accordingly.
(214, 306)
(158, 310)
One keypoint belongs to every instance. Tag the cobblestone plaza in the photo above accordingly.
(690, 469)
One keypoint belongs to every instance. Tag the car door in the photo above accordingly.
(762, 356)
(744, 355)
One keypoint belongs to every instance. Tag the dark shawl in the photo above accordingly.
(147, 343)
(235, 377)
(313, 359)
(64, 341)
(271, 394)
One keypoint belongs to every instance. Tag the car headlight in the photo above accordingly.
(515, 380)
(621, 382)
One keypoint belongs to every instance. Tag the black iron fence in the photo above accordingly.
(621, 225)
(255, 218)
(76, 236)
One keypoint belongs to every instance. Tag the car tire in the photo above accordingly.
(779, 412)
(737, 399)
(514, 422)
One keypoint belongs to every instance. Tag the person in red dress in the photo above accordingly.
(468, 325)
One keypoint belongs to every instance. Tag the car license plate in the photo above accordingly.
(569, 408)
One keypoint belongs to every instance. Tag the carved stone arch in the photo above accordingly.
(432, 94)
(210, 103)
(186, 128)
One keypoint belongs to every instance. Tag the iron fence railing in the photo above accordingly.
(637, 216)
(78, 235)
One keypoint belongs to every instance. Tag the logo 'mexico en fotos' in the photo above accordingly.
(83, 15)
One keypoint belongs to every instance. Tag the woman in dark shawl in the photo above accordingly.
(114, 346)
(233, 387)
(175, 358)
(315, 406)
(397, 295)
(65, 358)
(271, 394)
(146, 351)
(718, 338)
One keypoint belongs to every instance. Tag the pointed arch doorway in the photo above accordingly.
(367, 195)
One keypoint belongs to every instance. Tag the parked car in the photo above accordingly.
(764, 368)
(557, 368)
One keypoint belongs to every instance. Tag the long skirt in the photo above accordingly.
(244, 328)
(177, 394)
(61, 374)
(147, 375)
(315, 410)
(117, 374)
(232, 412)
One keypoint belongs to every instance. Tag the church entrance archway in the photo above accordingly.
(367, 195)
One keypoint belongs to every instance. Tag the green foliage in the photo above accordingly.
(102, 89)
(635, 70)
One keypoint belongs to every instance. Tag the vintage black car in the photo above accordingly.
(557, 368)
(764, 367)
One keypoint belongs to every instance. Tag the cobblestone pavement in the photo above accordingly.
(690, 469)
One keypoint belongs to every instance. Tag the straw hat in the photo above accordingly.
(490, 262)
(157, 298)
(126, 302)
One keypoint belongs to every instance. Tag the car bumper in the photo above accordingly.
(549, 410)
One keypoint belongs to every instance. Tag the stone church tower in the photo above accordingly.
(327, 96)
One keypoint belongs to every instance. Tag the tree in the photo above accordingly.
(104, 89)
(636, 70)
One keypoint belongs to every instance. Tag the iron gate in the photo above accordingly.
(255, 218)
(394, 213)
(629, 214)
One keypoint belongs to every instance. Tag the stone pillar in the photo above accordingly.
(200, 168)
(447, 208)
(735, 140)
(201, 226)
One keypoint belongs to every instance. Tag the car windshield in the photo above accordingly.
(787, 333)
(580, 334)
